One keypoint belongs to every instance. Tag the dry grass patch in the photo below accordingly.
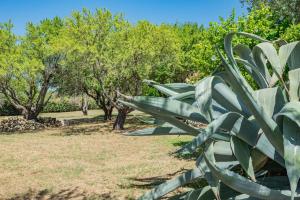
(86, 161)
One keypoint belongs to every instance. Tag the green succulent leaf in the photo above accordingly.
(289, 53)
(246, 58)
(200, 194)
(223, 152)
(289, 116)
(270, 53)
(232, 122)
(171, 88)
(294, 90)
(244, 91)
(160, 87)
(168, 107)
(210, 178)
(172, 184)
(243, 185)
(271, 99)
(241, 151)
(184, 95)
(160, 130)
(165, 118)
(214, 88)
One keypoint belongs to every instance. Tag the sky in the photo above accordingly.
(155, 11)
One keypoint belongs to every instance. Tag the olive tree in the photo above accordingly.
(28, 65)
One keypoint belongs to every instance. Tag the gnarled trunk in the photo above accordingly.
(108, 112)
(120, 120)
(84, 104)
(29, 114)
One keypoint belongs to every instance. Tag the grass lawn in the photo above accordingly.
(86, 161)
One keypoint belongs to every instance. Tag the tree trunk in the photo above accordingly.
(84, 104)
(107, 113)
(120, 120)
(29, 115)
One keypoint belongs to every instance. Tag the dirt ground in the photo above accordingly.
(87, 161)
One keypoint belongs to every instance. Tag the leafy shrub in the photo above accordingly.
(93, 105)
(63, 106)
(6, 109)
(67, 106)
(292, 33)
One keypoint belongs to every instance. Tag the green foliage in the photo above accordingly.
(6, 109)
(249, 130)
(292, 33)
(198, 44)
(285, 9)
(28, 65)
(63, 106)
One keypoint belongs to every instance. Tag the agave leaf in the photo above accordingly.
(291, 110)
(233, 122)
(271, 99)
(160, 87)
(244, 52)
(229, 50)
(210, 178)
(244, 91)
(264, 146)
(146, 120)
(160, 130)
(242, 153)
(180, 87)
(200, 194)
(275, 182)
(223, 152)
(184, 95)
(294, 90)
(270, 52)
(261, 63)
(170, 119)
(258, 159)
(225, 121)
(222, 74)
(289, 53)
(170, 130)
(243, 185)
(180, 196)
(227, 98)
(172, 184)
(171, 88)
(289, 116)
(214, 88)
(206, 193)
(255, 73)
(204, 98)
(168, 107)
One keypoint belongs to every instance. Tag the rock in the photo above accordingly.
(17, 124)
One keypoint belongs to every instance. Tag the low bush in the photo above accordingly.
(6, 109)
(63, 106)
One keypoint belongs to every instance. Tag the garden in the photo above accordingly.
(93, 106)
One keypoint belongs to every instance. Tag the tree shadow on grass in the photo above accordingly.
(186, 156)
(73, 130)
(71, 193)
(98, 127)
(150, 182)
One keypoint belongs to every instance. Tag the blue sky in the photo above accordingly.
(156, 11)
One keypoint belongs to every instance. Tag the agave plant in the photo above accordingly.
(251, 141)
